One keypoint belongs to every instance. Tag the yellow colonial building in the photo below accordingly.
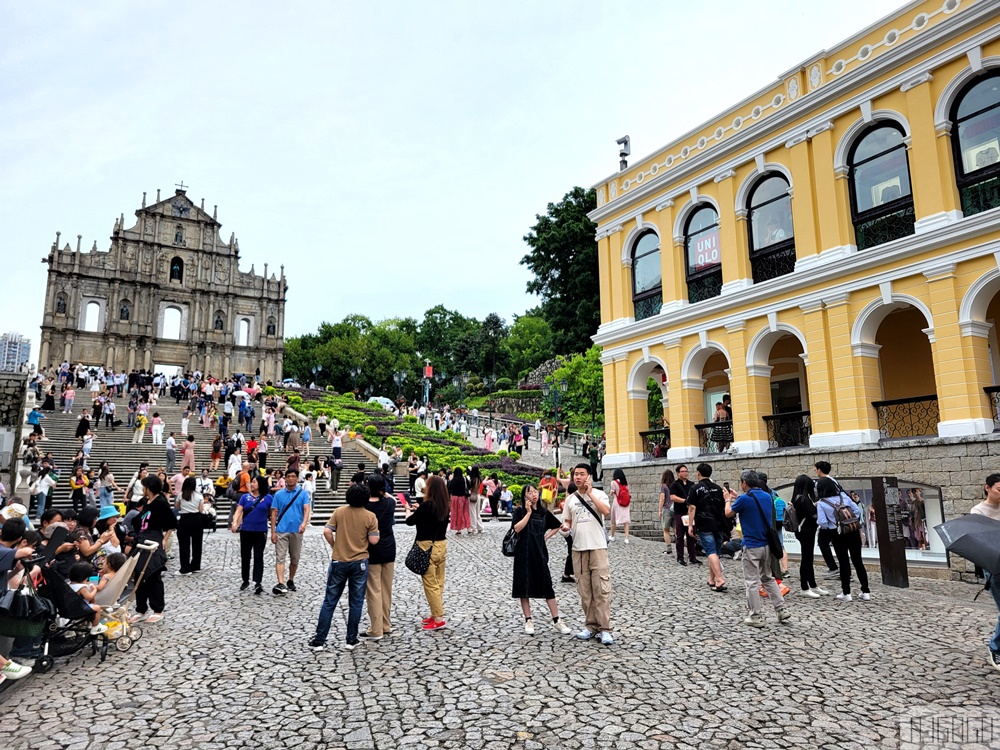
(826, 253)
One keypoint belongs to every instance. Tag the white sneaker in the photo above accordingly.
(811, 593)
(844, 598)
(561, 627)
(529, 627)
(14, 671)
(610, 539)
(99, 628)
(626, 540)
(865, 597)
(821, 591)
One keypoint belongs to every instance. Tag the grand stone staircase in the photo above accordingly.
(117, 449)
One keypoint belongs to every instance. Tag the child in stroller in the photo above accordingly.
(79, 576)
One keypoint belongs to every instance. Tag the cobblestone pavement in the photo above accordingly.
(227, 669)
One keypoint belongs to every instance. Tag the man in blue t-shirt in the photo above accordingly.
(755, 509)
(290, 512)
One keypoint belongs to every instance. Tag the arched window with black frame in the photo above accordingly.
(881, 197)
(975, 137)
(772, 240)
(647, 281)
(703, 254)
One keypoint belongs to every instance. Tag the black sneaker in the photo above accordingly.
(696, 561)
(279, 590)
(568, 579)
(258, 590)
(682, 562)
(995, 659)
(291, 585)
(315, 644)
(245, 586)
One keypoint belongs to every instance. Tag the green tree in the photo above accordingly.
(529, 344)
(563, 259)
(584, 397)
(493, 334)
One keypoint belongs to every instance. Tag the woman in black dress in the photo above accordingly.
(532, 580)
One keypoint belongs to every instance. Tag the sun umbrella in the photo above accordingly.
(974, 537)
(240, 394)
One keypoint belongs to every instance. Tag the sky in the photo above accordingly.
(392, 154)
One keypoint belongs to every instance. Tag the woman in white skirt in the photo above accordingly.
(620, 515)
(475, 500)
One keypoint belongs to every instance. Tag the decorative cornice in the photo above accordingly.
(940, 271)
(626, 262)
(977, 328)
(813, 305)
(664, 204)
(693, 384)
(608, 231)
(836, 299)
(795, 140)
(930, 334)
(671, 342)
(942, 128)
(821, 128)
(724, 176)
(917, 81)
(759, 371)
(866, 350)
(735, 325)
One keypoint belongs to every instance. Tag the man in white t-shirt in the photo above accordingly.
(583, 515)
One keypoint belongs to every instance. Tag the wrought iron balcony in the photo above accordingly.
(993, 394)
(705, 287)
(771, 263)
(981, 196)
(655, 443)
(907, 417)
(788, 430)
(885, 228)
(715, 437)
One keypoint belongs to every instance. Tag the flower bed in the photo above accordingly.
(446, 449)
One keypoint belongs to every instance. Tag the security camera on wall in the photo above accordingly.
(625, 142)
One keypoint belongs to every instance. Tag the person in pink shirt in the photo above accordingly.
(68, 395)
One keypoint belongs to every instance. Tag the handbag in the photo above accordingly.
(509, 545)
(773, 541)
(419, 560)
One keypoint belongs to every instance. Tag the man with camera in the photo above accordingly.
(755, 508)
(582, 516)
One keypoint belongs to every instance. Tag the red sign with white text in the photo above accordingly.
(704, 251)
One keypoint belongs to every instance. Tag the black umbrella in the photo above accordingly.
(974, 537)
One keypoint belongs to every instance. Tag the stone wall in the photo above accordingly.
(538, 375)
(13, 389)
(958, 465)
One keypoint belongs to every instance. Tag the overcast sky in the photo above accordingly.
(391, 154)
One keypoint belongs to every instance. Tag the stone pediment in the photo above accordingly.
(179, 206)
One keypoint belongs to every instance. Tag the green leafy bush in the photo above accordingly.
(294, 400)
(503, 384)
(410, 419)
(269, 390)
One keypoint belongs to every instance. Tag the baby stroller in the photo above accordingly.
(73, 636)
(115, 613)
(24, 615)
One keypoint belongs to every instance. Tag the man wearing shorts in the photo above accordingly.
(706, 506)
(289, 517)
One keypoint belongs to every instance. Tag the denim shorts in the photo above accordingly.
(711, 542)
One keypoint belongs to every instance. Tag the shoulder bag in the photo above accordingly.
(285, 509)
(773, 541)
(593, 512)
(509, 544)
(419, 560)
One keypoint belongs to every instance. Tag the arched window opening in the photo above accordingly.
(772, 241)
(703, 254)
(647, 289)
(125, 311)
(243, 332)
(881, 199)
(171, 324)
(177, 270)
(976, 142)
(92, 317)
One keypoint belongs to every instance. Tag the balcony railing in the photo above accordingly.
(981, 196)
(715, 437)
(655, 443)
(993, 394)
(705, 287)
(886, 228)
(788, 430)
(771, 263)
(907, 417)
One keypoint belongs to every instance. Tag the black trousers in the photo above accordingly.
(190, 531)
(262, 460)
(494, 502)
(848, 548)
(681, 537)
(807, 542)
(825, 535)
(568, 567)
(149, 593)
(252, 542)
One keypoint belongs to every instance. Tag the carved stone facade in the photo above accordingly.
(168, 292)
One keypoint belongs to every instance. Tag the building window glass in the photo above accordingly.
(976, 140)
(881, 200)
(704, 258)
(772, 240)
(647, 287)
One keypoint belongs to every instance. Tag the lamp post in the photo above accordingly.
(400, 378)
(561, 387)
(316, 370)
(490, 382)
(460, 382)
(355, 371)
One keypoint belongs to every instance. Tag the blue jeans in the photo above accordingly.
(995, 590)
(40, 502)
(711, 542)
(355, 576)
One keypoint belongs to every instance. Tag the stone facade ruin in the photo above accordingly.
(168, 293)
